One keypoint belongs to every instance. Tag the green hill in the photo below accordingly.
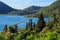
(26, 11)
(54, 8)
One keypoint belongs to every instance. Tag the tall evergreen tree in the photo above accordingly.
(34, 26)
(41, 22)
(9, 29)
(30, 24)
(55, 19)
(5, 29)
(26, 26)
(16, 27)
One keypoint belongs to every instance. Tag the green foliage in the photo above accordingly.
(9, 36)
(58, 37)
(16, 28)
(18, 36)
(2, 36)
(51, 36)
(48, 11)
(30, 37)
(29, 25)
(41, 22)
(5, 29)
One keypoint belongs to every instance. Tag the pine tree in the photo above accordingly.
(55, 19)
(34, 26)
(30, 24)
(41, 22)
(5, 29)
(16, 27)
(9, 29)
(26, 26)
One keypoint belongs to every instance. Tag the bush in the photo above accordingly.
(9, 36)
(2, 36)
(30, 37)
(51, 36)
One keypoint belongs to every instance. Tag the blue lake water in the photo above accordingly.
(11, 20)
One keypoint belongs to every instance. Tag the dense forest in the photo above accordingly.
(41, 31)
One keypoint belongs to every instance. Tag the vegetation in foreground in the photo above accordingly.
(41, 31)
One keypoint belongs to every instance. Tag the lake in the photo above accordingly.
(11, 20)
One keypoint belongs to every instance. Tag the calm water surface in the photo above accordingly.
(11, 20)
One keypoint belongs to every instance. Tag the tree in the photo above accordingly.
(55, 19)
(11, 30)
(34, 26)
(30, 24)
(16, 27)
(41, 22)
(26, 26)
(5, 29)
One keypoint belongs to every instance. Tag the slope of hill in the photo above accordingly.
(54, 8)
(5, 8)
(26, 11)
(32, 9)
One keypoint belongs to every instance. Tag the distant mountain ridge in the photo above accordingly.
(32, 9)
(5, 8)
(26, 11)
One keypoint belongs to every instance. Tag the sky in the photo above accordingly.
(21, 4)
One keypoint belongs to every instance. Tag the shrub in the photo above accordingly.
(30, 37)
(51, 35)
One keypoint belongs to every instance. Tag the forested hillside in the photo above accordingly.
(54, 8)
